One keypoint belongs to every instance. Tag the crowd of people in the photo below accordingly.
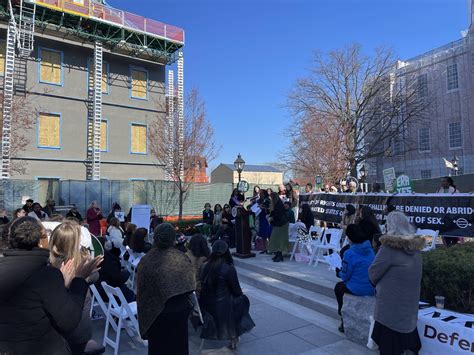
(46, 270)
(45, 275)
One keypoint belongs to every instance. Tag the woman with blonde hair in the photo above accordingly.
(65, 245)
(36, 306)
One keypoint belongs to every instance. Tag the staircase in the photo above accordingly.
(7, 103)
(26, 29)
(307, 286)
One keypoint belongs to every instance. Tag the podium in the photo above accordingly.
(243, 235)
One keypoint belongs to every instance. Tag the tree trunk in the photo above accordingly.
(181, 202)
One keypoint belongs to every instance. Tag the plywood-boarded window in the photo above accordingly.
(103, 136)
(138, 139)
(3, 51)
(105, 76)
(49, 130)
(139, 84)
(50, 66)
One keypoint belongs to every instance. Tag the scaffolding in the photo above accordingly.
(119, 31)
(115, 30)
(181, 114)
(171, 135)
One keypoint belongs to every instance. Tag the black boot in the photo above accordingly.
(278, 257)
(341, 327)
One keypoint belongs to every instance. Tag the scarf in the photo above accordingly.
(161, 274)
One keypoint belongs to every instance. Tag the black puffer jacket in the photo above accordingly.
(35, 306)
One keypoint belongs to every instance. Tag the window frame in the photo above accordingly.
(452, 65)
(104, 64)
(141, 69)
(422, 84)
(424, 177)
(60, 130)
(460, 135)
(39, 66)
(131, 124)
(429, 140)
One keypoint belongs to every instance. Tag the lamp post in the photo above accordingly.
(455, 162)
(239, 165)
(363, 173)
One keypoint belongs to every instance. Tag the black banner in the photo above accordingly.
(451, 214)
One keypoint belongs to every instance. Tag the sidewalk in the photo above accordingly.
(282, 327)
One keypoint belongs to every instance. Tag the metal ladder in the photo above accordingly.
(97, 112)
(26, 29)
(181, 114)
(170, 135)
(7, 103)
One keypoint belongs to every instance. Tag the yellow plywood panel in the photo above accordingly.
(103, 135)
(3, 50)
(139, 139)
(49, 130)
(50, 67)
(139, 84)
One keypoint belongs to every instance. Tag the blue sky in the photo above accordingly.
(245, 55)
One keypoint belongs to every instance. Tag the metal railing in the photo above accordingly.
(108, 14)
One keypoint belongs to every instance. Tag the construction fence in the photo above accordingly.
(161, 195)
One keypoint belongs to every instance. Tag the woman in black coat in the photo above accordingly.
(368, 223)
(38, 302)
(225, 307)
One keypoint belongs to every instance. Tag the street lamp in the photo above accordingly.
(363, 173)
(455, 162)
(239, 165)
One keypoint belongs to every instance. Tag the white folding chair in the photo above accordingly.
(334, 244)
(293, 235)
(133, 262)
(312, 229)
(119, 316)
(431, 244)
(97, 300)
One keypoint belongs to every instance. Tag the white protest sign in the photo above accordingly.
(388, 178)
(445, 332)
(120, 216)
(141, 216)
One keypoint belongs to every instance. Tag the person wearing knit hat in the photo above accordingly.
(165, 278)
(355, 266)
(225, 307)
(164, 236)
(220, 247)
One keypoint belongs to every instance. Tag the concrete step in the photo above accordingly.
(301, 296)
(293, 274)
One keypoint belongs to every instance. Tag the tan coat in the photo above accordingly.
(197, 263)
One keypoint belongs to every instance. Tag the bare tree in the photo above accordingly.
(349, 109)
(198, 145)
(23, 120)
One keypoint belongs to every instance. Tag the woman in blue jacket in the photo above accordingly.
(355, 266)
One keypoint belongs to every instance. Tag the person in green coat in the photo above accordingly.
(279, 243)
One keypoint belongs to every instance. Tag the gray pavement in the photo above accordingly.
(282, 327)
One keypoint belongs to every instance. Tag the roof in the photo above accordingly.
(255, 168)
